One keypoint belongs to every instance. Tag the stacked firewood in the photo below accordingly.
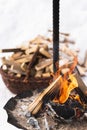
(36, 59)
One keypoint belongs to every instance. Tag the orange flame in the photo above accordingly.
(67, 83)
(66, 86)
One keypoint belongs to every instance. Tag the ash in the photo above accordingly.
(46, 119)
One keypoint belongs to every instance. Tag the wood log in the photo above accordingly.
(81, 84)
(82, 70)
(45, 53)
(39, 73)
(14, 67)
(11, 50)
(46, 74)
(30, 50)
(16, 55)
(35, 106)
(85, 59)
(43, 64)
(24, 59)
(32, 62)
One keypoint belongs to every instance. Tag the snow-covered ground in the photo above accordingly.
(21, 20)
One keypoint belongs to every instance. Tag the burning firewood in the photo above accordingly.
(65, 88)
(37, 103)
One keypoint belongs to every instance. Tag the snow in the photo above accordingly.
(21, 20)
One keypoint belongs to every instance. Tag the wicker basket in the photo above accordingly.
(18, 85)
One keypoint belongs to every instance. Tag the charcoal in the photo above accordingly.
(63, 111)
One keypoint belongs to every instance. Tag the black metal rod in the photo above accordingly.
(55, 35)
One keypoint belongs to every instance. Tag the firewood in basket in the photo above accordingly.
(30, 50)
(40, 40)
(15, 67)
(39, 73)
(16, 55)
(24, 66)
(7, 62)
(24, 59)
(51, 68)
(32, 61)
(46, 74)
(43, 64)
(47, 70)
(12, 50)
(44, 52)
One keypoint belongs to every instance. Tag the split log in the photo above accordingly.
(43, 64)
(35, 106)
(11, 50)
(46, 74)
(32, 62)
(24, 59)
(39, 73)
(81, 84)
(85, 60)
(45, 53)
(14, 67)
(81, 70)
(16, 55)
(30, 50)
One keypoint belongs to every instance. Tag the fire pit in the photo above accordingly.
(52, 116)
(62, 105)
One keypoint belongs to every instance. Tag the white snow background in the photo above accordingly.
(21, 20)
